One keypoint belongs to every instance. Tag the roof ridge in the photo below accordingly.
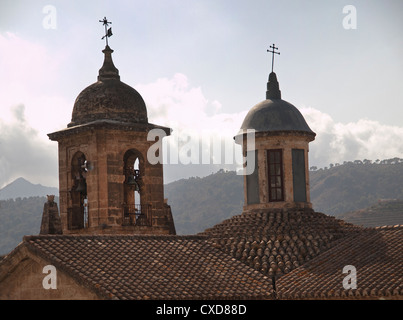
(114, 236)
(396, 226)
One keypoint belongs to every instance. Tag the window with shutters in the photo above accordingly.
(275, 174)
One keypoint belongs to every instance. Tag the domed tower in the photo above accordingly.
(280, 178)
(106, 183)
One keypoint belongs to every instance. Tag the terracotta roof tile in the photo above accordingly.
(276, 241)
(151, 267)
(375, 253)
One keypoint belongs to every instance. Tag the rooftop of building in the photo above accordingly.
(148, 266)
(275, 114)
(109, 98)
(376, 256)
(277, 241)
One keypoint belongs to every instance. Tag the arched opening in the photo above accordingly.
(78, 212)
(137, 177)
(135, 212)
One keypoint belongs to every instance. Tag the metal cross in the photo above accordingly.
(108, 32)
(273, 52)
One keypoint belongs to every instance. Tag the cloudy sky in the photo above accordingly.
(200, 66)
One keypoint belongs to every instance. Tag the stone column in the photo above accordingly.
(51, 223)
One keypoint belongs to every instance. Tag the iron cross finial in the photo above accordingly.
(273, 52)
(108, 32)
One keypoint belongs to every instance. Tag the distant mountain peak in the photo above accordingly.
(20, 180)
(22, 188)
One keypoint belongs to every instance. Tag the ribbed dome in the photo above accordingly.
(109, 99)
(275, 114)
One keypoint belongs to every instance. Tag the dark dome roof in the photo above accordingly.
(109, 99)
(275, 114)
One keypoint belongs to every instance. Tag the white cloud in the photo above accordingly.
(31, 76)
(337, 142)
(185, 109)
(23, 153)
(201, 135)
(30, 108)
(175, 103)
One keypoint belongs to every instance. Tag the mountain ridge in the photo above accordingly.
(22, 188)
(386, 212)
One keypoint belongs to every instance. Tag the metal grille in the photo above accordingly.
(137, 215)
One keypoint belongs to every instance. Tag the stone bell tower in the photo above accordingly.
(280, 178)
(106, 183)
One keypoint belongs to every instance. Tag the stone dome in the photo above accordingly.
(275, 114)
(109, 99)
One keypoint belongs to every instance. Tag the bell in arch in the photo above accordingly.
(81, 187)
(131, 181)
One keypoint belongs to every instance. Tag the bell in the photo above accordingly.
(131, 181)
(81, 187)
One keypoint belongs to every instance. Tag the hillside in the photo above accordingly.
(24, 189)
(199, 203)
(385, 212)
(353, 186)
(18, 218)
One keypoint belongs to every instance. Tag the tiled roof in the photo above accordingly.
(151, 267)
(276, 241)
(302, 250)
(376, 254)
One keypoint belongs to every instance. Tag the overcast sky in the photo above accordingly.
(200, 66)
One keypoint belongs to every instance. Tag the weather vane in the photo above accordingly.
(273, 52)
(108, 32)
